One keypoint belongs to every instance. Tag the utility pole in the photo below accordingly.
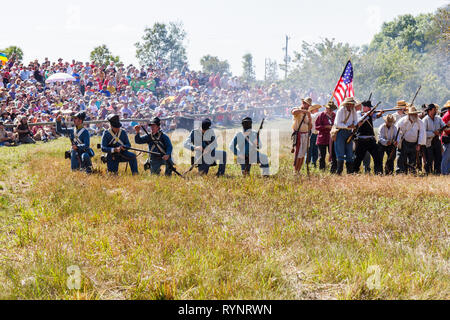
(286, 58)
(265, 69)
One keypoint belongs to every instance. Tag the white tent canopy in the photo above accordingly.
(60, 77)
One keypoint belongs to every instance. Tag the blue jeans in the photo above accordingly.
(313, 153)
(445, 164)
(344, 150)
(113, 161)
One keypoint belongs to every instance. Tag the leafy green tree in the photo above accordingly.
(212, 64)
(13, 51)
(165, 41)
(248, 68)
(102, 55)
(415, 33)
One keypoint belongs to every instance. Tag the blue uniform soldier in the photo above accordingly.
(245, 146)
(158, 142)
(114, 143)
(81, 153)
(203, 142)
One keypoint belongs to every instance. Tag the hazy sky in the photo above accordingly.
(227, 29)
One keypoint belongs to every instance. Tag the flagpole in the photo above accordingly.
(332, 94)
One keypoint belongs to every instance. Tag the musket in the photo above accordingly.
(169, 161)
(257, 134)
(99, 146)
(387, 110)
(370, 97)
(415, 96)
(366, 116)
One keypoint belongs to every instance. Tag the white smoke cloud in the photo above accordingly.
(374, 20)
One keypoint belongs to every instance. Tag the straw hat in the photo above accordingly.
(349, 101)
(308, 101)
(447, 104)
(412, 110)
(401, 104)
(314, 107)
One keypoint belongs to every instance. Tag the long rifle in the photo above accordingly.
(366, 116)
(169, 161)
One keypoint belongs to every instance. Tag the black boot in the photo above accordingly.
(349, 166)
(340, 167)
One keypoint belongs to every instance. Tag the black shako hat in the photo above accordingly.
(206, 124)
(156, 121)
(80, 115)
(114, 120)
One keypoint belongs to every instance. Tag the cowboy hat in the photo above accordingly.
(314, 107)
(331, 105)
(308, 101)
(389, 118)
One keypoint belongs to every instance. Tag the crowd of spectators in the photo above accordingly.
(131, 92)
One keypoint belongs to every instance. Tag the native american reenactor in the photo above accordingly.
(203, 143)
(445, 114)
(411, 136)
(245, 145)
(158, 142)
(433, 153)
(365, 139)
(387, 144)
(81, 153)
(401, 107)
(115, 143)
(302, 126)
(345, 121)
(324, 123)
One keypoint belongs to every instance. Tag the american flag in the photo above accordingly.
(344, 87)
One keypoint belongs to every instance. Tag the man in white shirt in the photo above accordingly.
(345, 121)
(433, 152)
(411, 137)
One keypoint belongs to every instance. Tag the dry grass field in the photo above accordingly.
(283, 237)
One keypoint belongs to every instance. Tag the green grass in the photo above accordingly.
(285, 237)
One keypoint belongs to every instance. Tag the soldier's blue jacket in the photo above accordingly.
(110, 141)
(80, 136)
(160, 139)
